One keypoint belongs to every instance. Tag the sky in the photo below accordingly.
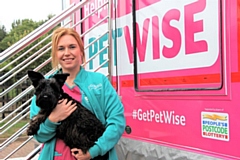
(36, 10)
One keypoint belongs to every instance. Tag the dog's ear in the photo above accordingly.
(35, 77)
(61, 78)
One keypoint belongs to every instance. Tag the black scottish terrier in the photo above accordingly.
(80, 130)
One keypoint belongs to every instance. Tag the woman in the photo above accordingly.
(93, 90)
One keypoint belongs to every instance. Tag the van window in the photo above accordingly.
(177, 45)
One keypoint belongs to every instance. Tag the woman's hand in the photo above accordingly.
(62, 110)
(80, 155)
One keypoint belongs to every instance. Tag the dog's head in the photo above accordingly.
(47, 91)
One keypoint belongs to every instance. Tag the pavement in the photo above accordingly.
(22, 152)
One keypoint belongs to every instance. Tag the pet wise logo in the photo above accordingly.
(170, 36)
(215, 125)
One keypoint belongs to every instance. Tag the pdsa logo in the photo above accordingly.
(215, 125)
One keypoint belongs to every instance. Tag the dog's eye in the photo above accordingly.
(39, 88)
(42, 85)
(54, 87)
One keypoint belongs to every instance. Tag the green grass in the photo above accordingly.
(13, 129)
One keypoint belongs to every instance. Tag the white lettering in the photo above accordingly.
(90, 7)
(168, 117)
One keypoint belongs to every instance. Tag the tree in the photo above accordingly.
(21, 28)
(2, 33)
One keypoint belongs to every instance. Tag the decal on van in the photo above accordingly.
(215, 125)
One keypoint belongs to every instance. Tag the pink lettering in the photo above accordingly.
(192, 27)
(155, 37)
(171, 33)
(141, 45)
(128, 43)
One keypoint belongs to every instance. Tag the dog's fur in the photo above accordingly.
(80, 130)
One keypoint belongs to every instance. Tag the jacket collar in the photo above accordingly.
(81, 76)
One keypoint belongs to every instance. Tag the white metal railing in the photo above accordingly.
(19, 64)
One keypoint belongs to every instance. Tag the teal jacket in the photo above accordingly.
(100, 97)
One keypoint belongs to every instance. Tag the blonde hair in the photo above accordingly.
(57, 34)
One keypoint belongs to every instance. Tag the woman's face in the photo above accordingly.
(69, 53)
